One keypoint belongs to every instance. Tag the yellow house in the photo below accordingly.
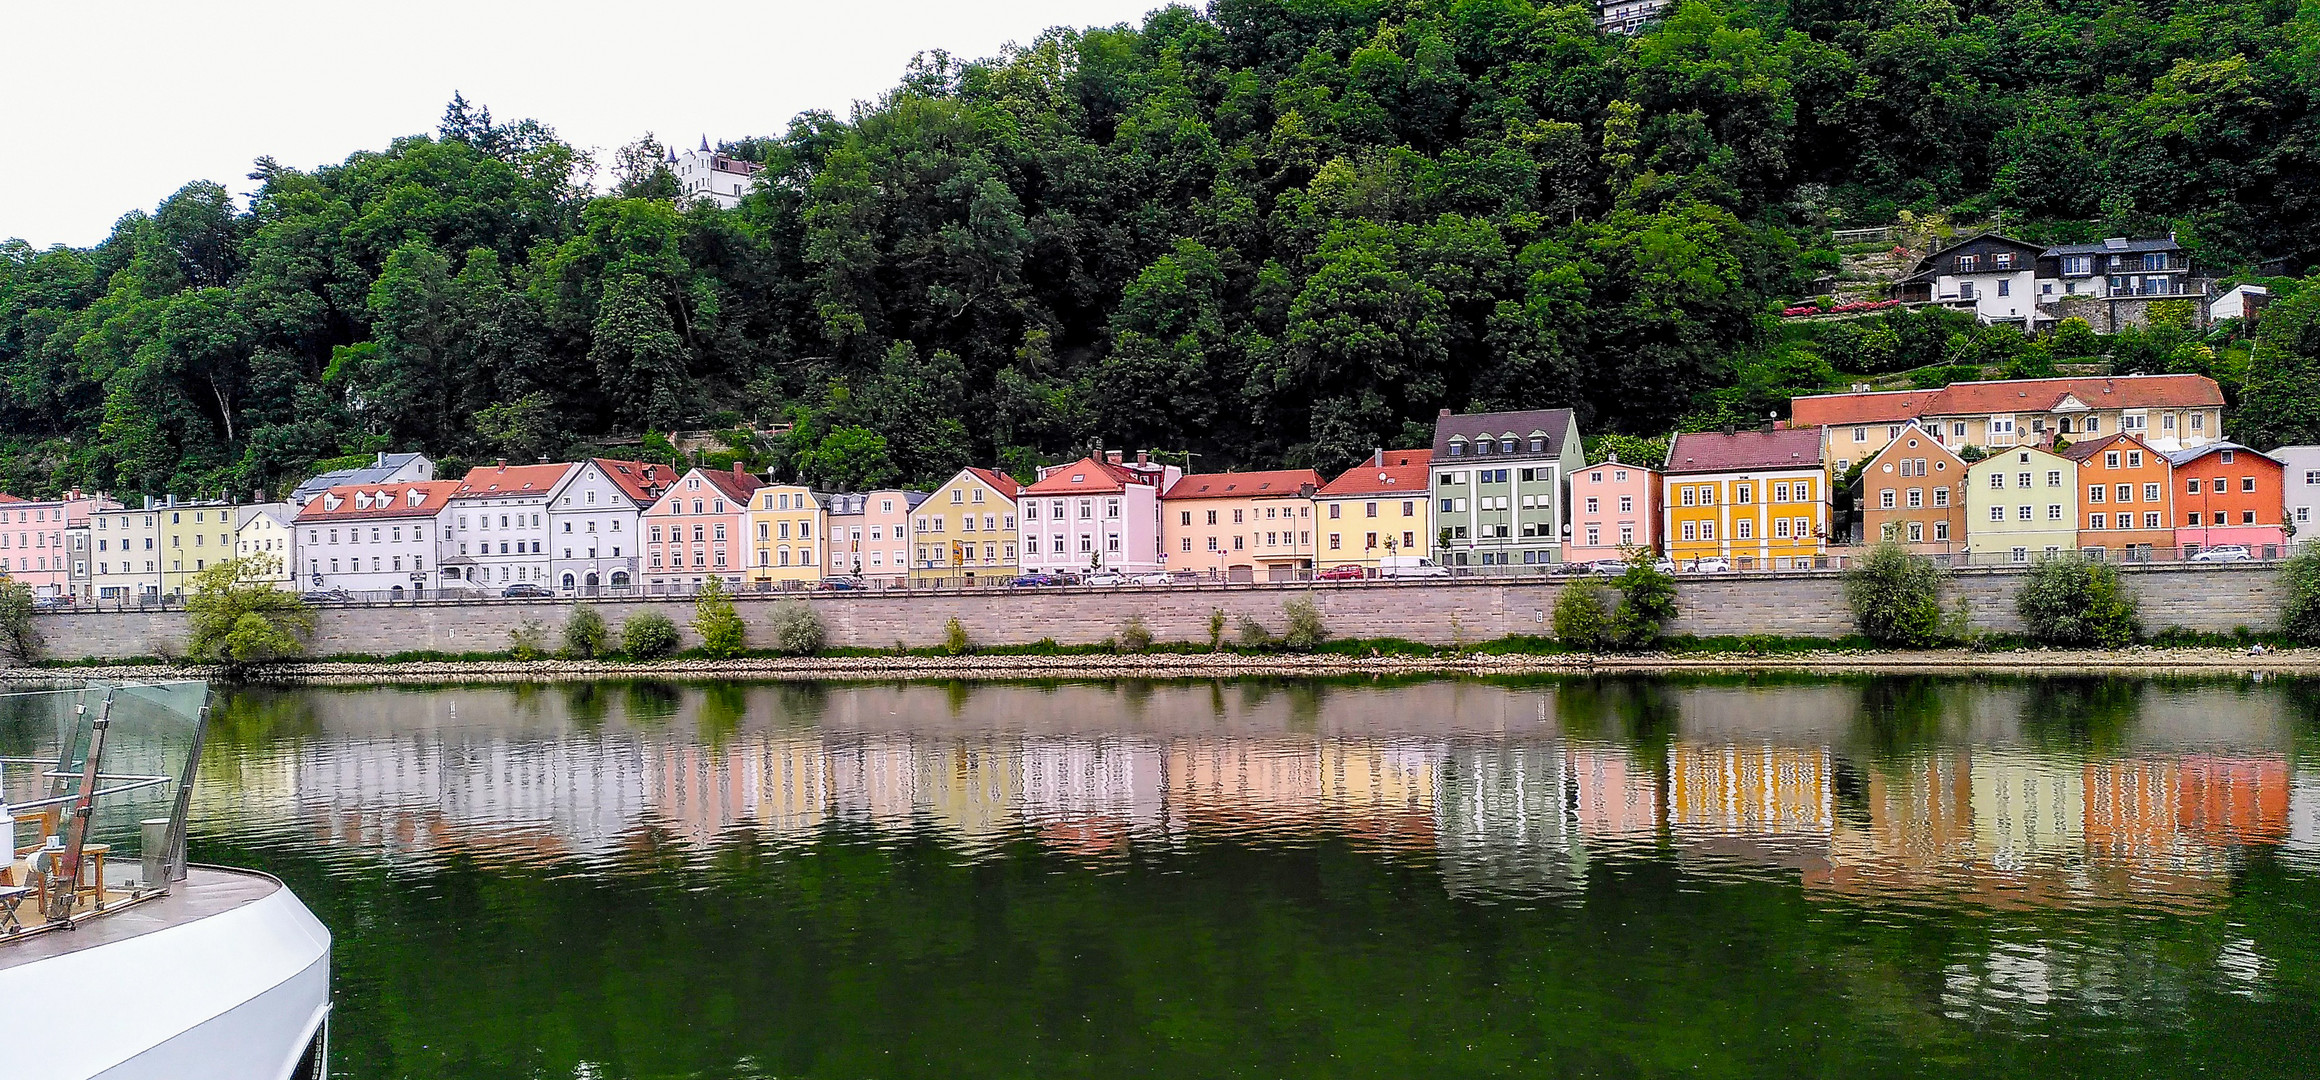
(1756, 498)
(964, 534)
(1375, 509)
(788, 527)
(193, 535)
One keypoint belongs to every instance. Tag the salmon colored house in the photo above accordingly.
(1240, 526)
(2126, 493)
(697, 529)
(2226, 493)
(1615, 507)
(1913, 492)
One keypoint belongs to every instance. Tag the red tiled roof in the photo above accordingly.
(642, 483)
(2084, 450)
(1006, 485)
(434, 494)
(2004, 396)
(1403, 471)
(1085, 475)
(737, 486)
(490, 480)
(7, 498)
(1782, 448)
(1243, 485)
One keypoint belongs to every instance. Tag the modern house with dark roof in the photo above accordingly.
(1502, 485)
(1993, 276)
(1759, 499)
(2004, 280)
(385, 469)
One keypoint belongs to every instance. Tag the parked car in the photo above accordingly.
(525, 590)
(1343, 572)
(1105, 578)
(1156, 578)
(1410, 566)
(1608, 567)
(2224, 553)
(1033, 581)
(842, 583)
(1665, 566)
(52, 603)
(326, 596)
(1710, 565)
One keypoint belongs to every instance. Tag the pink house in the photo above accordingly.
(696, 529)
(869, 534)
(1614, 506)
(1095, 513)
(33, 541)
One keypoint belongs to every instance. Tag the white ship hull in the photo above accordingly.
(226, 978)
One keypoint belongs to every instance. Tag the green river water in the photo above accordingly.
(1767, 877)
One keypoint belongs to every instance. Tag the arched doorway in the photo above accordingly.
(620, 579)
(396, 592)
(567, 582)
(592, 583)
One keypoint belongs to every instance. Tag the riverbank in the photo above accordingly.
(2138, 660)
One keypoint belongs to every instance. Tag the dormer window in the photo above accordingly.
(1506, 445)
(1538, 444)
(1458, 448)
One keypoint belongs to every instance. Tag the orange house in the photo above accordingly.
(2126, 493)
(1913, 492)
(2226, 493)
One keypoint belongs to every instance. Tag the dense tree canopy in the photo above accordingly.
(1270, 231)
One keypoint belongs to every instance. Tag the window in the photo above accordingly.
(2219, 488)
(1780, 529)
(1747, 494)
(1941, 496)
(2005, 285)
(2023, 514)
(2022, 480)
(1885, 499)
(2247, 517)
(1627, 504)
(1916, 498)
(1746, 529)
(2126, 493)
(1707, 530)
(2094, 493)
(1333, 511)
(2095, 521)
(2247, 483)
(2111, 460)
(2191, 486)
(1691, 531)
(2150, 493)
(1997, 480)
(2053, 512)
(1968, 264)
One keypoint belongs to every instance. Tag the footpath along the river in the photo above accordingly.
(2138, 660)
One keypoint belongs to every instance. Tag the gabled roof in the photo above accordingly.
(7, 498)
(1273, 484)
(381, 468)
(641, 482)
(2187, 455)
(1925, 267)
(737, 486)
(492, 481)
(281, 513)
(2080, 451)
(1907, 451)
(361, 502)
(1869, 407)
(1006, 485)
(1400, 472)
(1085, 476)
(2096, 392)
(1556, 424)
(1716, 451)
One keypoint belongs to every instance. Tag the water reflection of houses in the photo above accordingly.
(2304, 812)
(531, 799)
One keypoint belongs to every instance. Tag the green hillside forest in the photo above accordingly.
(1264, 232)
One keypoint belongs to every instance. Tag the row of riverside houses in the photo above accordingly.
(2124, 468)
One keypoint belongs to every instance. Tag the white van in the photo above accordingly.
(1410, 566)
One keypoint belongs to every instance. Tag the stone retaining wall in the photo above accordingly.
(2209, 598)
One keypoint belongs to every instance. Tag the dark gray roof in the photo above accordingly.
(380, 471)
(2116, 246)
(1556, 424)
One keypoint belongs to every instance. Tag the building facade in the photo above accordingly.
(720, 178)
(33, 547)
(193, 535)
(2226, 493)
(2021, 506)
(870, 534)
(697, 530)
(2300, 484)
(1500, 480)
(496, 532)
(1993, 276)
(1615, 508)
(1758, 499)
(787, 529)
(1378, 508)
(1096, 513)
(2126, 493)
(965, 532)
(378, 539)
(1251, 526)
(596, 524)
(1913, 492)
(268, 531)
(127, 552)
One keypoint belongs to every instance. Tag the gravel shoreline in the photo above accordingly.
(2140, 660)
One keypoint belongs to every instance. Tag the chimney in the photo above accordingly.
(739, 472)
(380, 461)
(1444, 414)
(1114, 456)
(1378, 456)
(501, 463)
(1143, 457)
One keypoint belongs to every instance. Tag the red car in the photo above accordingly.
(1347, 572)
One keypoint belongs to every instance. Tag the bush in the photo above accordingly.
(2300, 580)
(19, 640)
(1647, 601)
(1896, 597)
(1253, 633)
(236, 617)
(648, 635)
(1306, 631)
(797, 629)
(585, 633)
(955, 641)
(1134, 635)
(723, 634)
(528, 641)
(1216, 629)
(1583, 617)
(2075, 602)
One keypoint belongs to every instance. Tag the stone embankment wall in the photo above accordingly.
(2208, 598)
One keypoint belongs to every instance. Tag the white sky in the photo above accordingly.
(107, 108)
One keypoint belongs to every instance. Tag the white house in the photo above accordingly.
(495, 533)
(269, 529)
(2300, 488)
(1995, 277)
(380, 538)
(2239, 302)
(593, 515)
(126, 560)
(707, 174)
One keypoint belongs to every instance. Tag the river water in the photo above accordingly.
(1772, 876)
